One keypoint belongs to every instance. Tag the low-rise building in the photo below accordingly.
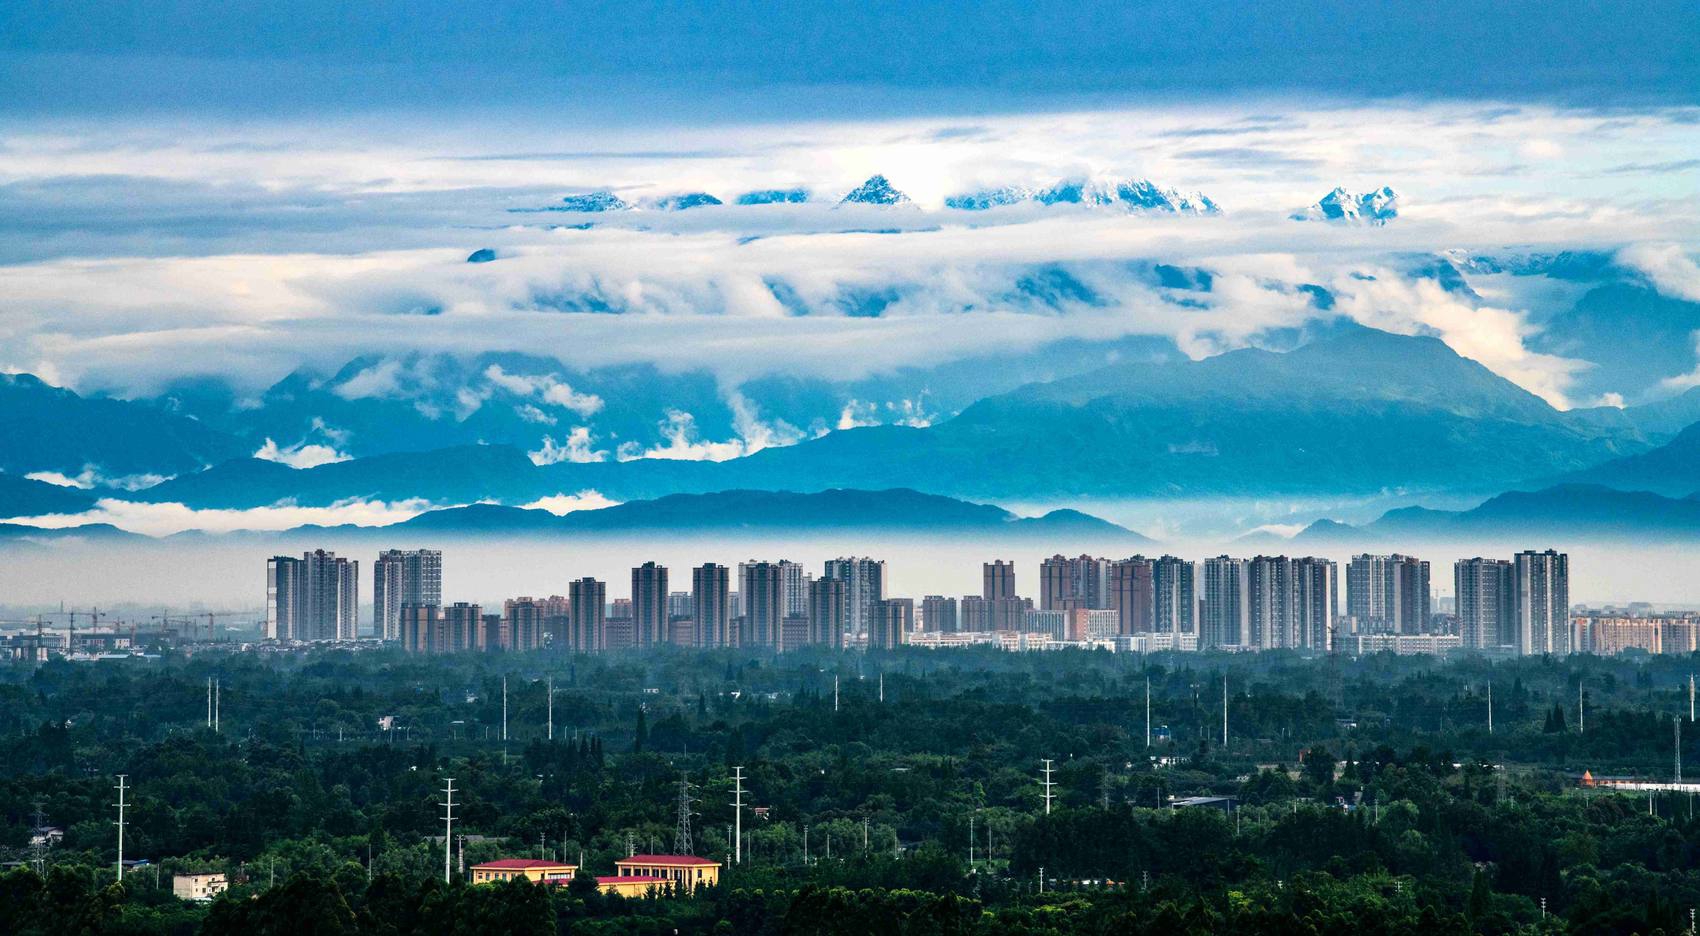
(531, 869)
(684, 872)
(204, 886)
(631, 885)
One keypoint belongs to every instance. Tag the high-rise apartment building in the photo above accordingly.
(1388, 594)
(460, 625)
(793, 585)
(711, 605)
(1271, 596)
(1079, 582)
(315, 597)
(1174, 581)
(649, 604)
(404, 576)
(997, 580)
(893, 622)
(1541, 607)
(1316, 602)
(416, 628)
(829, 607)
(587, 624)
(1133, 595)
(1227, 604)
(763, 587)
(864, 584)
(523, 627)
(1486, 594)
(938, 614)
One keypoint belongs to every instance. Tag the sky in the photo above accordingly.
(239, 190)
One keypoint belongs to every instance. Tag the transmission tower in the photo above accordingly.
(121, 807)
(682, 844)
(39, 841)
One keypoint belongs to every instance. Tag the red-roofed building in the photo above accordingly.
(685, 872)
(550, 872)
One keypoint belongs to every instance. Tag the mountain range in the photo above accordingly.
(1128, 194)
(1563, 512)
(1376, 207)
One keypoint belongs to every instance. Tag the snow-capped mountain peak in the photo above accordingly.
(603, 200)
(1375, 207)
(878, 190)
(1097, 192)
(686, 200)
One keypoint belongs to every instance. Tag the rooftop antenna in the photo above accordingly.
(448, 827)
(682, 844)
(121, 805)
(738, 814)
(1048, 784)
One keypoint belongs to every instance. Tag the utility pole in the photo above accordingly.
(448, 827)
(216, 688)
(738, 815)
(835, 694)
(882, 686)
(209, 702)
(1676, 734)
(121, 805)
(1490, 708)
(970, 841)
(504, 710)
(1581, 710)
(552, 709)
(1224, 710)
(1048, 784)
(1690, 696)
(1148, 711)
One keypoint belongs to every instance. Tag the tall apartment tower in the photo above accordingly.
(711, 605)
(1316, 602)
(649, 604)
(1080, 582)
(793, 582)
(762, 585)
(460, 625)
(938, 614)
(315, 597)
(404, 576)
(997, 580)
(416, 628)
(1227, 604)
(1388, 594)
(588, 619)
(1133, 595)
(1486, 594)
(1541, 607)
(523, 624)
(893, 622)
(829, 609)
(1174, 582)
(1271, 597)
(864, 585)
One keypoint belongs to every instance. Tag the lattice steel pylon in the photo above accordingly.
(682, 844)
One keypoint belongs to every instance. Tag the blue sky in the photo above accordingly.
(645, 60)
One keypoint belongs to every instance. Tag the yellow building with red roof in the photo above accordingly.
(549, 872)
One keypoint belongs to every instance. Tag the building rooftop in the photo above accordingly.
(691, 860)
(520, 864)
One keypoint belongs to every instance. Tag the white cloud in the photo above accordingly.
(300, 455)
(1671, 268)
(547, 387)
(563, 504)
(1686, 381)
(92, 477)
(532, 414)
(170, 518)
(578, 447)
